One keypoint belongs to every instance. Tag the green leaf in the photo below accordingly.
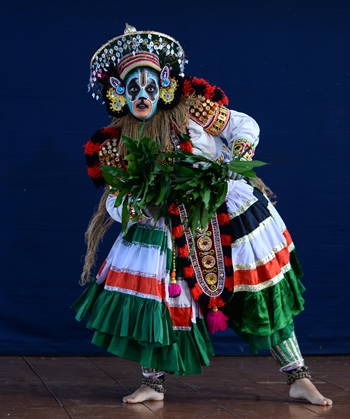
(197, 181)
(125, 215)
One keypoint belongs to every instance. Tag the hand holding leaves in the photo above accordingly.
(196, 181)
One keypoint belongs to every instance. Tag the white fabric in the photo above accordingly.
(138, 258)
(114, 212)
(240, 125)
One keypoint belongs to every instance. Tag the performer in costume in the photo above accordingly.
(153, 301)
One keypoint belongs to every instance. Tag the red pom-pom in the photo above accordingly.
(113, 132)
(94, 172)
(173, 209)
(186, 146)
(187, 88)
(91, 148)
(226, 239)
(216, 321)
(188, 271)
(183, 253)
(223, 218)
(196, 291)
(178, 231)
(174, 290)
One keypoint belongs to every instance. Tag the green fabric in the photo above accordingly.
(143, 235)
(83, 305)
(265, 318)
(287, 353)
(146, 321)
(146, 235)
(184, 357)
(141, 330)
(262, 319)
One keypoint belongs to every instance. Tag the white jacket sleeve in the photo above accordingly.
(114, 212)
(241, 134)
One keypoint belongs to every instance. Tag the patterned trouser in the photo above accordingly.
(287, 354)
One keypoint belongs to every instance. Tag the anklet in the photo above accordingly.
(155, 384)
(301, 372)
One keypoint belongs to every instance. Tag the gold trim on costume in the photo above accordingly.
(108, 155)
(210, 115)
(219, 122)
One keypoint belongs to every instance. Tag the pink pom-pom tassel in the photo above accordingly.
(216, 321)
(174, 290)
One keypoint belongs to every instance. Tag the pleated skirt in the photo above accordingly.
(132, 316)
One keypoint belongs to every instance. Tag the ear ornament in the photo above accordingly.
(116, 101)
(117, 85)
(165, 77)
(168, 93)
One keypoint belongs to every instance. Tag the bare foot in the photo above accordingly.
(142, 394)
(305, 389)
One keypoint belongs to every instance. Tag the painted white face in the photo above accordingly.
(142, 92)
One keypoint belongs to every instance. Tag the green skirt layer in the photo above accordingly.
(265, 318)
(141, 330)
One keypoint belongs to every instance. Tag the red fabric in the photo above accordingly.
(264, 272)
(181, 316)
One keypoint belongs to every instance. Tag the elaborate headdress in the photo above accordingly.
(120, 55)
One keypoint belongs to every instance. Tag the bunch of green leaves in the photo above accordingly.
(153, 177)
(200, 183)
(144, 181)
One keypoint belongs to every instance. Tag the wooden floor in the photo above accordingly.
(232, 387)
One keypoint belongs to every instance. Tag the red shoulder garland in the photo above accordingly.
(91, 151)
(202, 87)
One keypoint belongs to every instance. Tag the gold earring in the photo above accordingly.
(167, 94)
(117, 102)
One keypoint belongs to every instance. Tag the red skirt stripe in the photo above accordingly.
(181, 316)
(136, 283)
(264, 272)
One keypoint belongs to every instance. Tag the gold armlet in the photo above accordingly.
(210, 115)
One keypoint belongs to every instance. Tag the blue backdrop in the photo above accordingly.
(286, 63)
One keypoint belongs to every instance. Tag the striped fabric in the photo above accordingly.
(138, 59)
(139, 264)
(261, 243)
(140, 261)
(183, 309)
(287, 354)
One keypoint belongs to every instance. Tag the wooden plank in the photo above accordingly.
(84, 389)
(239, 387)
(23, 394)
